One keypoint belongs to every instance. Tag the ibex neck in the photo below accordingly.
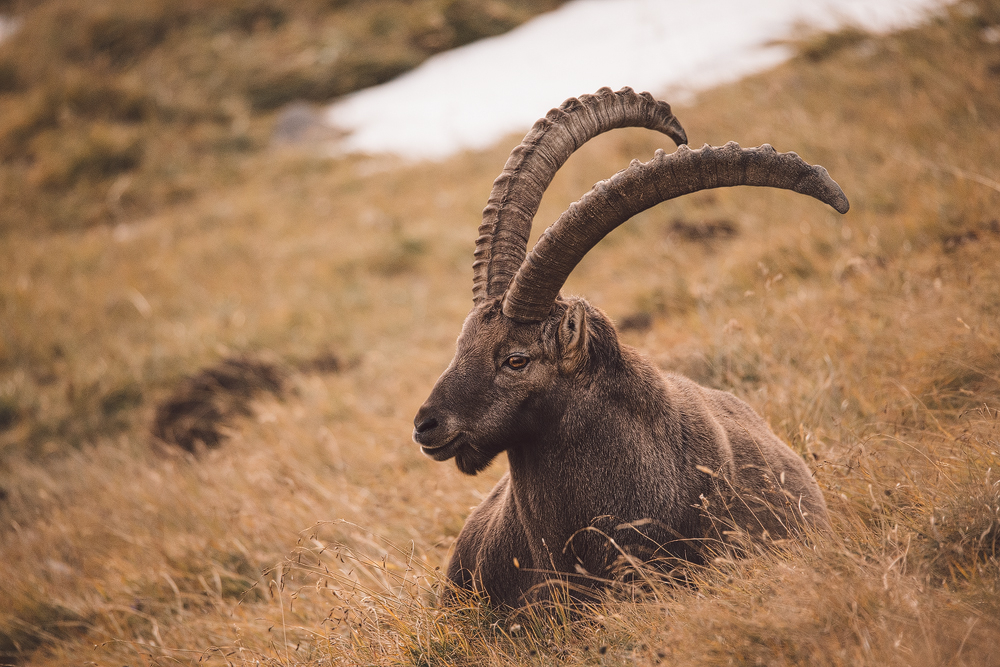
(608, 431)
(592, 470)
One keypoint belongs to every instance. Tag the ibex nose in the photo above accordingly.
(422, 425)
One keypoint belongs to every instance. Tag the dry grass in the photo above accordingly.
(313, 533)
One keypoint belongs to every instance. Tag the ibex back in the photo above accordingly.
(609, 458)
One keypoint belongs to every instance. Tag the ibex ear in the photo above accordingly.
(573, 338)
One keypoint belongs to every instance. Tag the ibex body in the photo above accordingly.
(608, 457)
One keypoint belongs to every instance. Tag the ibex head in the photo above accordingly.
(509, 379)
(525, 352)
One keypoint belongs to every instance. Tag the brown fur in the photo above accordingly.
(608, 457)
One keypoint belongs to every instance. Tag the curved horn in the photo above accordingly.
(643, 185)
(517, 191)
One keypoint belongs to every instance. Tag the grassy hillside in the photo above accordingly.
(302, 310)
(113, 109)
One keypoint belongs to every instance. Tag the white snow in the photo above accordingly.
(470, 97)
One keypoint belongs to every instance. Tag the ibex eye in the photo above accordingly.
(517, 361)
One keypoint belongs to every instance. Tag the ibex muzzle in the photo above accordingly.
(600, 442)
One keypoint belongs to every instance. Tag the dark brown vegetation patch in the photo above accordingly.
(38, 623)
(704, 230)
(826, 45)
(9, 413)
(324, 362)
(987, 229)
(640, 321)
(196, 415)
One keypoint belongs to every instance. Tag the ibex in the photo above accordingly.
(609, 458)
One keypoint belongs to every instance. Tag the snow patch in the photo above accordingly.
(470, 97)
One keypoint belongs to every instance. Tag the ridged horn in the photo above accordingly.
(517, 192)
(643, 185)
